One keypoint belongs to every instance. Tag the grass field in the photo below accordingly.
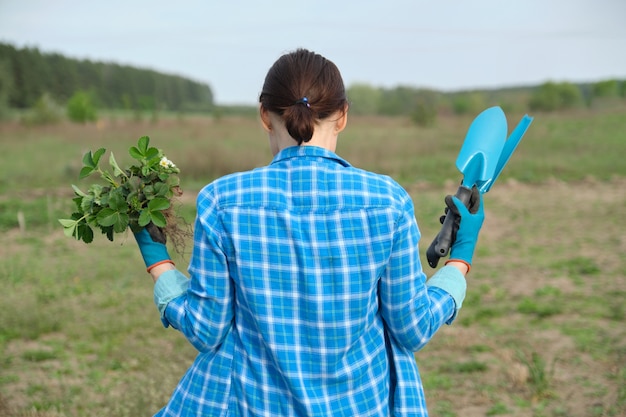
(542, 331)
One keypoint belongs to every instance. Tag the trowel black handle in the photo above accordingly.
(442, 243)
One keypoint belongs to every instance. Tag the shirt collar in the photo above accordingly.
(310, 152)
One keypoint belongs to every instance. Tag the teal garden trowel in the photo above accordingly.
(483, 155)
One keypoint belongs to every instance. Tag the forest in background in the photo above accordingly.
(27, 74)
(43, 88)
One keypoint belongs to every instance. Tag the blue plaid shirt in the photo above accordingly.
(307, 295)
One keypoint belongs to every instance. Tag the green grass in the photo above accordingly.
(498, 409)
(465, 367)
(540, 333)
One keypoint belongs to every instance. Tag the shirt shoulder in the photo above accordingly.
(305, 183)
(237, 188)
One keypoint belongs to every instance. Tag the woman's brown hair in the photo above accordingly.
(303, 87)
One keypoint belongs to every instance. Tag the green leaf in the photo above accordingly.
(135, 153)
(86, 233)
(158, 204)
(107, 217)
(86, 204)
(85, 172)
(173, 181)
(148, 191)
(143, 143)
(108, 231)
(97, 155)
(88, 160)
(152, 153)
(151, 178)
(69, 227)
(161, 189)
(78, 202)
(98, 192)
(78, 191)
(122, 223)
(158, 218)
(117, 201)
(69, 231)
(68, 222)
(144, 218)
(135, 227)
(117, 171)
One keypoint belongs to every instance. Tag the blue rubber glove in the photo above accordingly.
(470, 222)
(154, 253)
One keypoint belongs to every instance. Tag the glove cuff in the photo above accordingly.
(469, 266)
(166, 261)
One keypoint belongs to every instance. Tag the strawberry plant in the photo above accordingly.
(136, 197)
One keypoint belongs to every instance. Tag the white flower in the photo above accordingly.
(166, 163)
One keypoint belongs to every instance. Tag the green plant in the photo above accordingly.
(539, 377)
(465, 367)
(134, 197)
(468, 103)
(552, 96)
(606, 88)
(38, 355)
(45, 111)
(498, 408)
(539, 308)
(81, 108)
(424, 112)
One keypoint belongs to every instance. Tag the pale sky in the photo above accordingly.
(230, 45)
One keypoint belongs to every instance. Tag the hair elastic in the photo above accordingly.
(304, 101)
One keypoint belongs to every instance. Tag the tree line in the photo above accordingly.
(30, 79)
(424, 104)
(27, 74)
